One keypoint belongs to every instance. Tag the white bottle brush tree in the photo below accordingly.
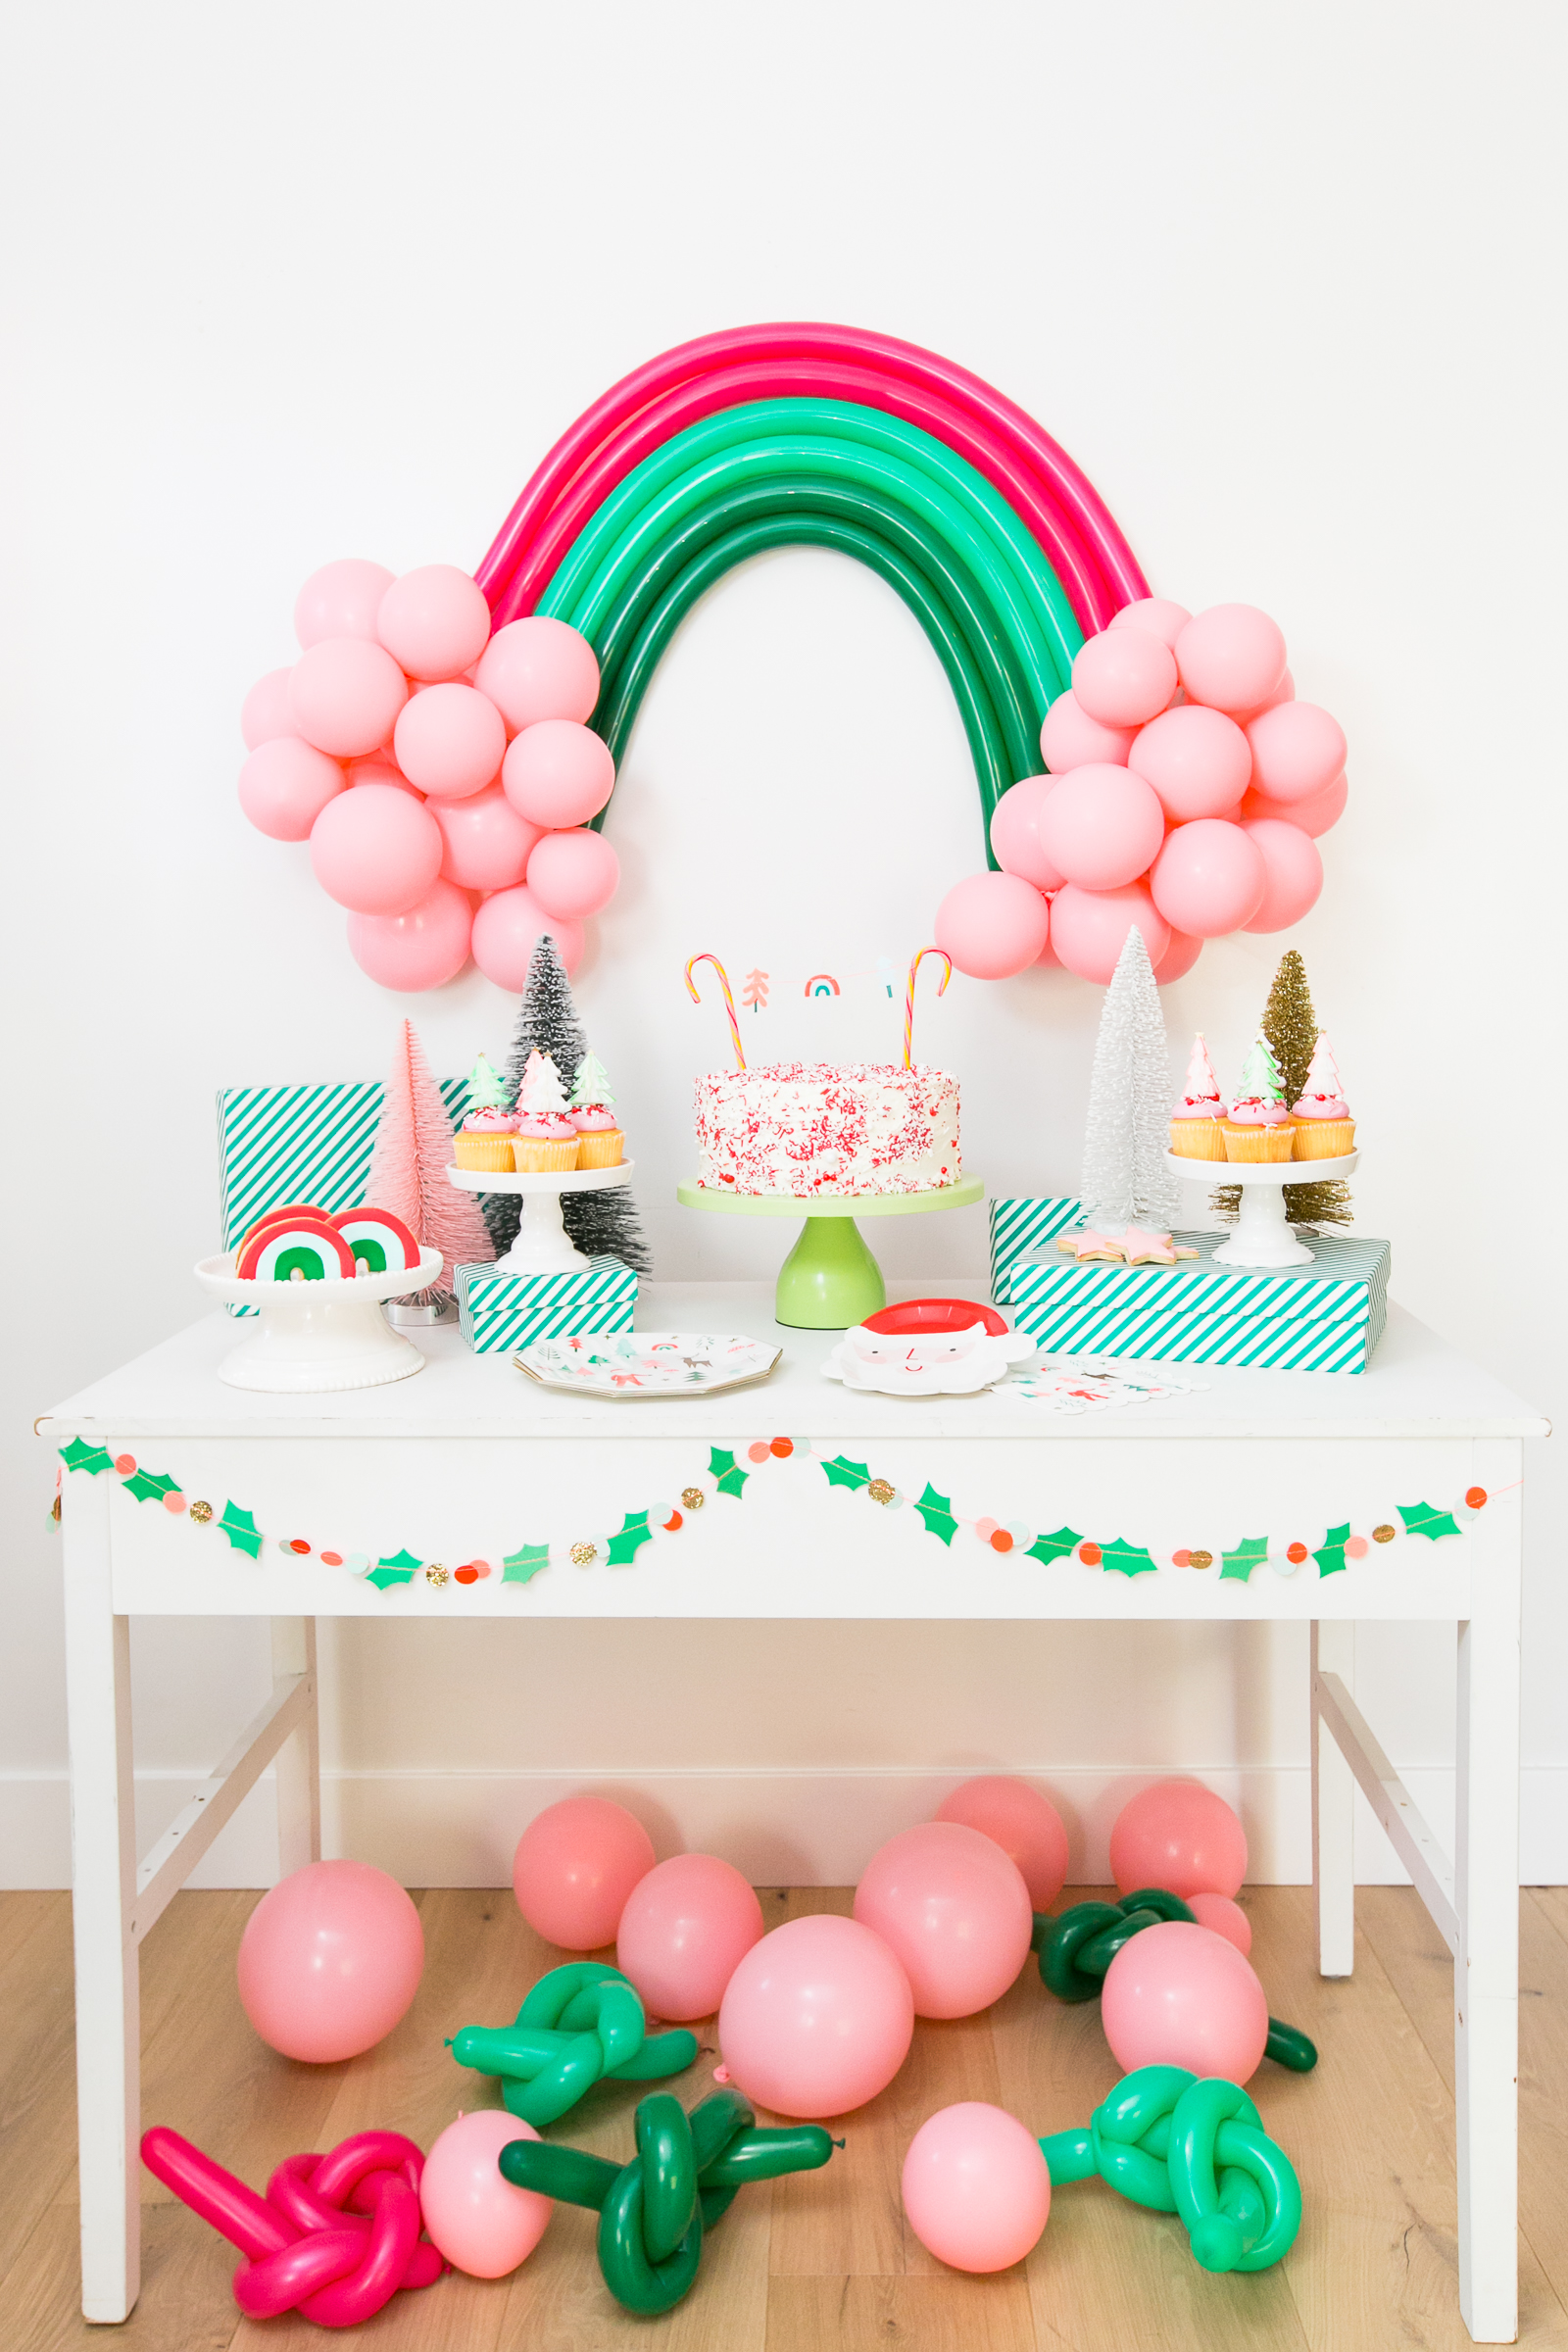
(1125, 1180)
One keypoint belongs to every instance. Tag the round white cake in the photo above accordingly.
(804, 1127)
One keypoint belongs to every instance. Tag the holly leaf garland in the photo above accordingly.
(628, 1538)
(1425, 1519)
(937, 1512)
(150, 1486)
(241, 1529)
(1128, 1560)
(1331, 1557)
(397, 1568)
(79, 1455)
(1239, 1563)
(726, 1472)
(842, 1472)
(1054, 1548)
(519, 1566)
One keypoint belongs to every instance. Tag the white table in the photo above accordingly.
(469, 1460)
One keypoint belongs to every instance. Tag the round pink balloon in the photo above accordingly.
(481, 2221)
(263, 713)
(1089, 927)
(1231, 657)
(537, 669)
(1180, 1835)
(379, 769)
(434, 622)
(1293, 865)
(1197, 761)
(375, 849)
(573, 874)
(976, 2188)
(1123, 676)
(1284, 692)
(558, 773)
(817, 2017)
(1016, 833)
(1181, 1995)
(506, 931)
(1209, 878)
(487, 843)
(341, 600)
(344, 696)
(1024, 1824)
(992, 925)
(1070, 738)
(285, 784)
(422, 949)
(330, 1961)
(953, 1908)
(685, 1930)
(574, 1869)
(1313, 816)
(1155, 614)
(450, 740)
(1101, 826)
(1179, 958)
(1298, 751)
(1225, 1917)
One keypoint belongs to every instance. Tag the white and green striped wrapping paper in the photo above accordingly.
(499, 1311)
(1325, 1317)
(283, 1144)
(1019, 1225)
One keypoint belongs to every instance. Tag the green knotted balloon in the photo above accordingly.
(581, 2023)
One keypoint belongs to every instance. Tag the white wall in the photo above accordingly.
(291, 283)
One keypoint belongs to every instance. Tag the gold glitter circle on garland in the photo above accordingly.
(436, 1574)
(1201, 1559)
(881, 1489)
(201, 1512)
(1384, 1534)
(693, 1497)
(584, 1555)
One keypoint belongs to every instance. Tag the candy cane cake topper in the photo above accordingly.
(729, 1001)
(915, 961)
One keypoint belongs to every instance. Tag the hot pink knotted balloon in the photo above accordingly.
(434, 622)
(1180, 1835)
(558, 773)
(1197, 761)
(263, 713)
(574, 1869)
(1292, 867)
(1089, 927)
(573, 874)
(487, 843)
(1224, 1917)
(375, 849)
(506, 930)
(285, 784)
(1298, 751)
(1209, 878)
(422, 949)
(537, 669)
(481, 2221)
(1070, 738)
(1180, 1995)
(1155, 614)
(1124, 676)
(992, 925)
(976, 2188)
(1102, 827)
(1312, 816)
(817, 2017)
(1016, 833)
(953, 1908)
(341, 600)
(450, 740)
(1231, 657)
(685, 1930)
(1022, 1822)
(344, 696)
(330, 1961)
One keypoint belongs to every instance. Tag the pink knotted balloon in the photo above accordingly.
(285, 784)
(1224, 1918)
(1016, 833)
(558, 773)
(434, 622)
(422, 949)
(341, 600)
(1180, 1995)
(954, 1910)
(1298, 750)
(1101, 826)
(487, 843)
(376, 849)
(1024, 1824)
(817, 2017)
(1231, 657)
(344, 696)
(263, 713)
(992, 925)
(1070, 738)
(1180, 1835)
(976, 2188)
(1155, 614)
(1292, 867)
(574, 1869)
(1179, 958)
(1312, 816)
(685, 1929)
(1089, 927)
(538, 669)
(573, 874)
(1197, 761)
(1124, 676)
(450, 740)
(506, 931)
(1209, 878)
(481, 2221)
(330, 1961)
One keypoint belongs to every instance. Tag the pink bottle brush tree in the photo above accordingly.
(414, 1149)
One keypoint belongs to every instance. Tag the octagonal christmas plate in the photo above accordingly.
(648, 1363)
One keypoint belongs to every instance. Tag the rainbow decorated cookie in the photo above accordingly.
(381, 1242)
(305, 1247)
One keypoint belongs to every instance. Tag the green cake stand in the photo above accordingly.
(829, 1279)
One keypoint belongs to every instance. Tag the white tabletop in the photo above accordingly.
(1416, 1386)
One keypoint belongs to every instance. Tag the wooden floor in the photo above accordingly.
(823, 2258)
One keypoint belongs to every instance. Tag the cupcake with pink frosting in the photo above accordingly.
(546, 1140)
(1321, 1121)
(485, 1138)
(599, 1142)
(1196, 1124)
(1258, 1126)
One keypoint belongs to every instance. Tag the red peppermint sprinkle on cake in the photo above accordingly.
(806, 1127)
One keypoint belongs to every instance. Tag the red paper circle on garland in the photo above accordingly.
(673, 1522)
(1475, 1496)
(466, 1575)
(782, 1447)
(298, 1544)
(1090, 1555)
(331, 1559)
(1181, 1559)
(124, 1463)
(1296, 1553)
(1001, 1541)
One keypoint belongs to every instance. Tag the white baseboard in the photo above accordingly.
(781, 1828)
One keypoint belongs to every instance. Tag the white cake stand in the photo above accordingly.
(541, 1245)
(1262, 1236)
(318, 1335)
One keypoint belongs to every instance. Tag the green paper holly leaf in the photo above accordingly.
(1422, 1519)
(396, 1569)
(519, 1566)
(842, 1472)
(151, 1486)
(79, 1455)
(241, 1529)
(629, 1538)
(937, 1512)
(1054, 1548)
(726, 1472)
(1331, 1558)
(1240, 1562)
(1128, 1560)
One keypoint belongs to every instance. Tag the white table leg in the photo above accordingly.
(1485, 1977)
(103, 1840)
(298, 1767)
(1333, 1809)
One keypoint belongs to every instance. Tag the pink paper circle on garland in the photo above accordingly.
(573, 874)
(1298, 751)
(434, 622)
(422, 949)
(263, 713)
(537, 669)
(1231, 657)
(558, 773)
(1124, 676)
(507, 929)
(285, 784)
(450, 740)
(1070, 738)
(1100, 827)
(1313, 816)
(1089, 927)
(1196, 760)
(344, 696)
(1209, 878)
(487, 843)
(341, 600)
(1292, 867)
(992, 925)
(1155, 614)
(1016, 833)
(1356, 1549)
(375, 849)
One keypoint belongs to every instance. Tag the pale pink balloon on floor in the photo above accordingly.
(1179, 958)
(450, 740)
(481, 2221)
(422, 949)
(487, 843)
(434, 622)
(685, 1930)
(1312, 816)
(1022, 1822)
(573, 874)
(1293, 866)
(1225, 1917)
(1180, 1835)
(976, 2188)
(263, 713)
(575, 1866)
(992, 925)
(1209, 878)
(1124, 676)
(1070, 738)
(1155, 614)
(1101, 826)
(536, 669)
(1089, 927)
(344, 696)
(1231, 657)
(1016, 833)
(1196, 760)
(558, 773)
(953, 1908)
(506, 931)
(375, 849)
(285, 784)
(330, 1961)
(817, 2019)
(1180, 1995)
(1298, 751)
(341, 600)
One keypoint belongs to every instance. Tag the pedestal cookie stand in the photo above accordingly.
(318, 1335)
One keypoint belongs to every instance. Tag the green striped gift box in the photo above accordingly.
(283, 1144)
(1019, 1225)
(1325, 1317)
(511, 1310)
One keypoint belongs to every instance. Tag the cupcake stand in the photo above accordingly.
(541, 1245)
(829, 1279)
(1263, 1236)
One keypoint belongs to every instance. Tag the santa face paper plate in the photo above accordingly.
(926, 1363)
